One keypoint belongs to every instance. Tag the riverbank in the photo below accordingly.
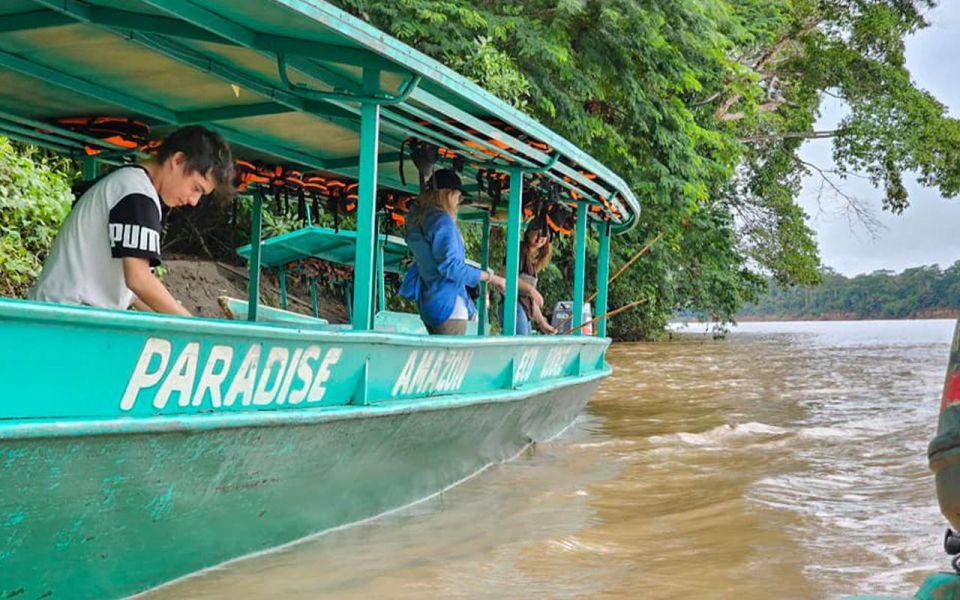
(198, 283)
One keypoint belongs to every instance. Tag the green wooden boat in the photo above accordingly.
(136, 448)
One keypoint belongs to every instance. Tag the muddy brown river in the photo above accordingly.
(786, 461)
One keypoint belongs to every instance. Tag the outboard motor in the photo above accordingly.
(944, 454)
(944, 451)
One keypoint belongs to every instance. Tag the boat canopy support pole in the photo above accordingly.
(90, 167)
(379, 283)
(363, 264)
(313, 297)
(282, 276)
(603, 274)
(253, 286)
(579, 267)
(509, 325)
(348, 297)
(482, 307)
(382, 288)
(513, 253)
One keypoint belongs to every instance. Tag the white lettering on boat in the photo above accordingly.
(284, 377)
(211, 381)
(433, 371)
(525, 365)
(142, 377)
(556, 360)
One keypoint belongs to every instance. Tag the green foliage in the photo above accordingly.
(854, 50)
(34, 199)
(917, 292)
(273, 222)
(496, 69)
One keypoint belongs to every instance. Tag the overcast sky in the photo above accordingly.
(928, 232)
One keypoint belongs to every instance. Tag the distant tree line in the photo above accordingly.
(924, 291)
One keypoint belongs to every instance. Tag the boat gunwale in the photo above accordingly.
(72, 315)
(59, 428)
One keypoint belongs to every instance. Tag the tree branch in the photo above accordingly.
(854, 207)
(791, 135)
(707, 100)
(758, 66)
(763, 108)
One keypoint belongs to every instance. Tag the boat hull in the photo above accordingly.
(130, 511)
(105, 502)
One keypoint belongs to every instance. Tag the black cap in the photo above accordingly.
(446, 179)
(539, 223)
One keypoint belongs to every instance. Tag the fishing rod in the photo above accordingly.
(609, 313)
(626, 265)
(642, 251)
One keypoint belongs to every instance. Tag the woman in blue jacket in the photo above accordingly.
(440, 276)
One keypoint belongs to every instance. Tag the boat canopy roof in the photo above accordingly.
(281, 80)
(326, 244)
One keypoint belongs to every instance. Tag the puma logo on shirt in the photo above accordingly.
(134, 237)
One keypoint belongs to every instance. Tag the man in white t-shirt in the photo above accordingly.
(104, 253)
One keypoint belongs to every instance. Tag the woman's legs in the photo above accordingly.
(449, 327)
(523, 321)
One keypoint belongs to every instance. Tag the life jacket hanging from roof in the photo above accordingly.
(494, 183)
(315, 187)
(492, 141)
(293, 183)
(539, 207)
(514, 132)
(424, 156)
(560, 219)
(247, 174)
(534, 195)
(395, 206)
(273, 174)
(573, 193)
(122, 132)
(539, 222)
(341, 200)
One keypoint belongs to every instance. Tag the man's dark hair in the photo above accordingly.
(205, 151)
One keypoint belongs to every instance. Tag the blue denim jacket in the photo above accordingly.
(440, 273)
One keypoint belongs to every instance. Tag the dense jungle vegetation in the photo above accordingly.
(918, 292)
(701, 105)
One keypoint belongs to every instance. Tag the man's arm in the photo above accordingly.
(139, 305)
(150, 290)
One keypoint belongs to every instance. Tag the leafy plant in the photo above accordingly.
(35, 197)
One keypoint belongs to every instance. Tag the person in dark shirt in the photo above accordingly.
(535, 252)
(536, 249)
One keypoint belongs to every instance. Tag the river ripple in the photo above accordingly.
(786, 461)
